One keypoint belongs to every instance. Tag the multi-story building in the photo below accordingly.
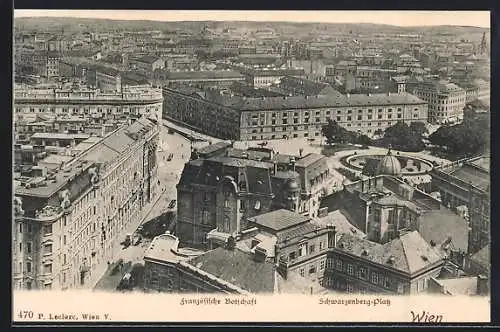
(108, 79)
(402, 266)
(467, 183)
(446, 100)
(218, 78)
(222, 187)
(53, 59)
(230, 270)
(266, 118)
(148, 63)
(67, 221)
(266, 77)
(132, 101)
(476, 89)
(384, 206)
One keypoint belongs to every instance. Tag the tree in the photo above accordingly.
(335, 133)
(405, 137)
(465, 139)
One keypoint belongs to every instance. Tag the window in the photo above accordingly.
(338, 118)
(183, 285)
(28, 267)
(349, 118)
(292, 255)
(387, 283)
(29, 228)
(322, 265)
(64, 238)
(302, 272)
(47, 268)
(20, 228)
(359, 117)
(226, 203)
(64, 259)
(350, 269)
(28, 247)
(47, 229)
(374, 278)
(47, 249)
(312, 249)
(329, 263)
(302, 250)
(339, 265)
(321, 245)
(312, 269)
(350, 288)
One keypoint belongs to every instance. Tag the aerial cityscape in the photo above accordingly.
(244, 157)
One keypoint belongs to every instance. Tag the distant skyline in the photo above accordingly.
(397, 18)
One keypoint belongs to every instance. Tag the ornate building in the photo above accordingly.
(221, 187)
(384, 206)
(67, 221)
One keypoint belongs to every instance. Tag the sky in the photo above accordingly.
(399, 18)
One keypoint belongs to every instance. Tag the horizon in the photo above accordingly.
(404, 19)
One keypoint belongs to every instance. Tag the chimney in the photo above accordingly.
(482, 285)
(323, 212)
(332, 236)
(260, 254)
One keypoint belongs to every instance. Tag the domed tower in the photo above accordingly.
(389, 165)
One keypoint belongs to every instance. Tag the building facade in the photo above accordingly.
(266, 118)
(221, 187)
(467, 183)
(355, 265)
(67, 221)
(133, 101)
(446, 100)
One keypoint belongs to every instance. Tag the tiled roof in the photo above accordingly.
(342, 225)
(238, 268)
(408, 253)
(471, 174)
(310, 159)
(440, 225)
(279, 219)
(302, 102)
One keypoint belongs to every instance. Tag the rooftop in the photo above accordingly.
(460, 286)
(408, 253)
(341, 222)
(238, 268)
(61, 136)
(164, 248)
(483, 256)
(279, 220)
(199, 75)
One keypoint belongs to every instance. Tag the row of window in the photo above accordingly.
(359, 272)
(328, 112)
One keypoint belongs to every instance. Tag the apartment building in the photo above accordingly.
(446, 100)
(67, 221)
(265, 118)
(68, 100)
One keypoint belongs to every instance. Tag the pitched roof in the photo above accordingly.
(279, 220)
(441, 225)
(408, 253)
(341, 222)
(238, 268)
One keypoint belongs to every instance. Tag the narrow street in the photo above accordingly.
(168, 173)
